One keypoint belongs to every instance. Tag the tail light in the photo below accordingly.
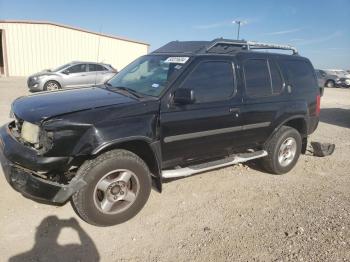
(318, 105)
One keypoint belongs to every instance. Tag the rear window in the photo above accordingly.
(257, 78)
(276, 79)
(300, 74)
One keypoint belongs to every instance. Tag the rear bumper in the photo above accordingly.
(313, 124)
(20, 166)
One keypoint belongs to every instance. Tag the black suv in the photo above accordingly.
(186, 108)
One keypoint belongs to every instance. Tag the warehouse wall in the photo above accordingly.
(31, 48)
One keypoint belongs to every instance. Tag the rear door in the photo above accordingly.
(209, 127)
(96, 74)
(265, 96)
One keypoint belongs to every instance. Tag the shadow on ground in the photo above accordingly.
(46, 247)
(336, 116)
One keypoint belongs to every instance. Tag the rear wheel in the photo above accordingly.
(52, 85)
(118, 186)
(330, 83)
(283, 150)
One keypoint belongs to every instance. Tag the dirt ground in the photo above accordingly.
(232, 214)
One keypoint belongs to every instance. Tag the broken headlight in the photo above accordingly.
(30, 132)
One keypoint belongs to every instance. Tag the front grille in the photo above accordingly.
(18, 124)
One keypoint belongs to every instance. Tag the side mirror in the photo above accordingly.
(183, 96)
(66, 72)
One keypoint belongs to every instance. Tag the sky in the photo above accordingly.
(320, 30)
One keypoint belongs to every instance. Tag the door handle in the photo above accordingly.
(234, 110)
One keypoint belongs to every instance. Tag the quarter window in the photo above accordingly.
(211, 81)
(257, 78)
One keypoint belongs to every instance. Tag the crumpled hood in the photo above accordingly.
(38, 107)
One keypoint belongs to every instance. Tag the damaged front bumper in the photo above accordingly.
(21, 166)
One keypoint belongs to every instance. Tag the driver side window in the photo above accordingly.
(211, 81)
(76, 69)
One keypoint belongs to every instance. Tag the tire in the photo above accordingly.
(52, 85)
(100, 172)
(330, 84)
(274, 162)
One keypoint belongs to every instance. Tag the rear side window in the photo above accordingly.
(95, 67)
(257, 78)
(300, 74)
(77, 68)
(276, 79)
(211, 81)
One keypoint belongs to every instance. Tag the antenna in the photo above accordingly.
(98, 50)
(239, 23)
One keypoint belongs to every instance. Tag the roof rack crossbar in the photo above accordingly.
(248, 45)
(259, 45)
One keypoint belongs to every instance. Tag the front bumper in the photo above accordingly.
(35, 85)
(21, 166)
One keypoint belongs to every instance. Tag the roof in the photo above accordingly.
(71, 27)
(218, 46)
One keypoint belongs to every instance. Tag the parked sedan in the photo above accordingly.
(325, 79)
(75, 74)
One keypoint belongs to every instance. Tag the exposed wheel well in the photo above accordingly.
(144, 151)
(300, 125)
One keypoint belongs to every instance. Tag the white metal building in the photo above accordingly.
(27, 47)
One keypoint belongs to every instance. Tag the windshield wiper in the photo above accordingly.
(129, 90)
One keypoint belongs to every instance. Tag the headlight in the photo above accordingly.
(30, 132)
(35, 78)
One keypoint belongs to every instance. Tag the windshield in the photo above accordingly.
(149, 75)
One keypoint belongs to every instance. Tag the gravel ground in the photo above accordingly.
(232, 214)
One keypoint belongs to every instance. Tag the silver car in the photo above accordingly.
(75, 74)
(327, 80)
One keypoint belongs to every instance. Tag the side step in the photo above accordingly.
(232, 160)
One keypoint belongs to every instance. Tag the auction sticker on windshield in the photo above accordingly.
(177, 59)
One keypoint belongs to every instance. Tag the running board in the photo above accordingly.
(232, 160)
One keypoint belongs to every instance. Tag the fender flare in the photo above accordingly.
(285, 121)
(154, 146)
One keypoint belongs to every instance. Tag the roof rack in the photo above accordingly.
(249, 45)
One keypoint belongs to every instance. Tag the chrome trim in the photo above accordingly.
(257, 125)
(188, 171)
(175, 138)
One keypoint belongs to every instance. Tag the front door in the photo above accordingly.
(75, 76)
(209, 127)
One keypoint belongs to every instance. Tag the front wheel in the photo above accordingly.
(51, 86)
(118, 186)
(283, 150)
